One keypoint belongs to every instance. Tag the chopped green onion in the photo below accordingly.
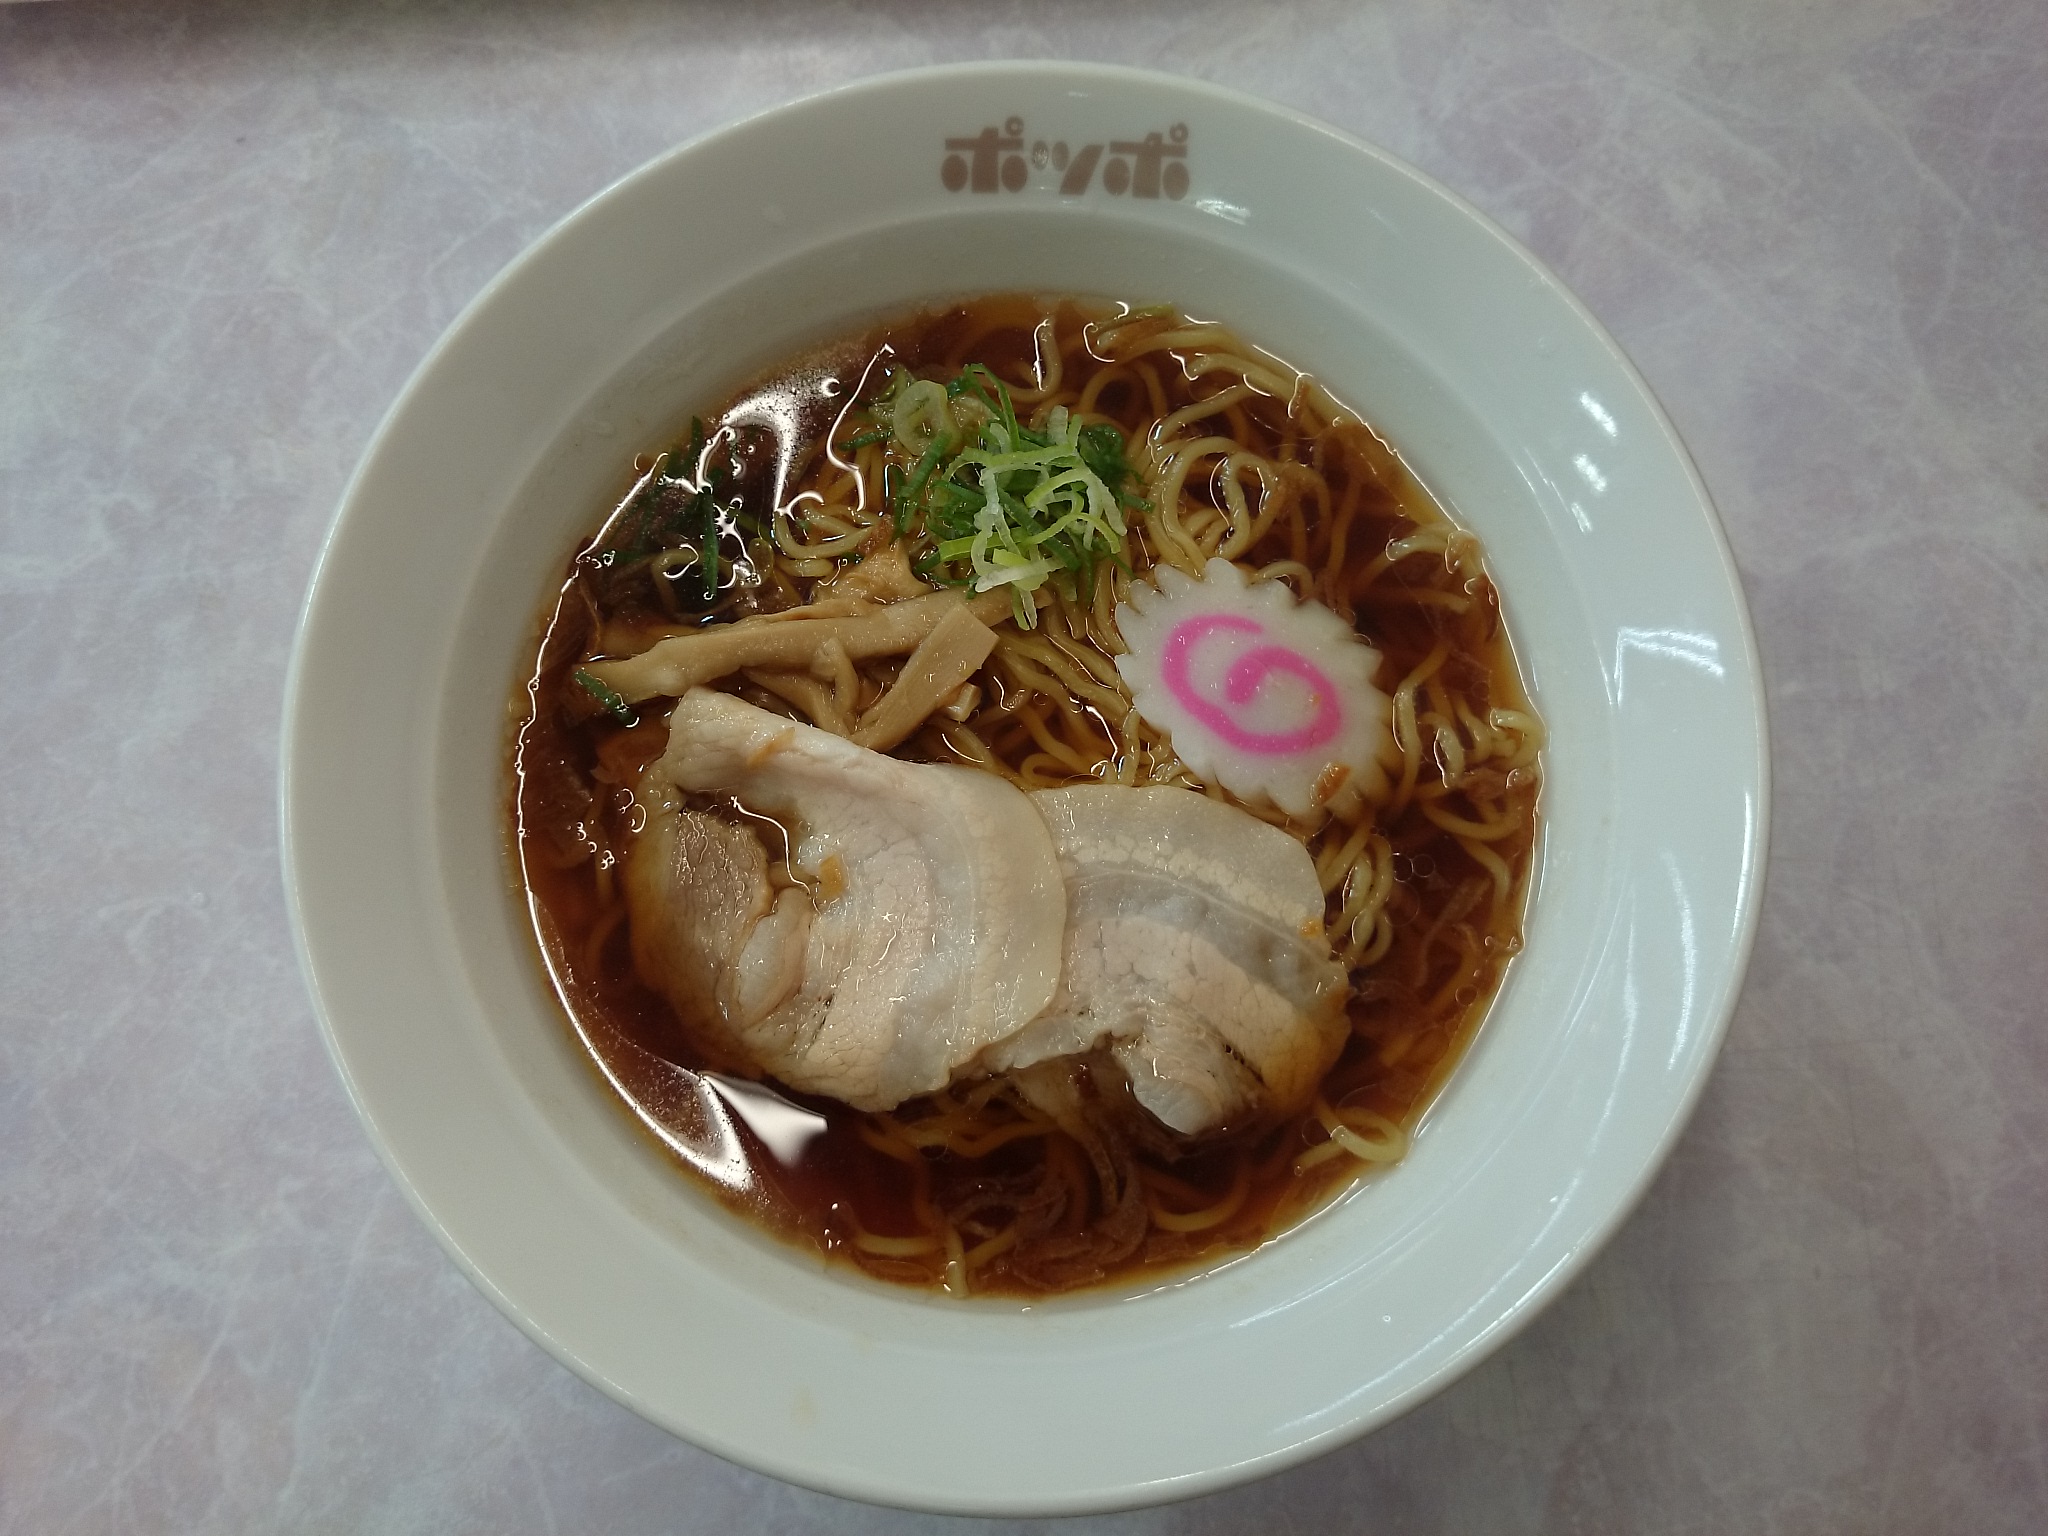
(865, 439)
(907, 502)
(614, 706)
(1014, 506)
(711, 532)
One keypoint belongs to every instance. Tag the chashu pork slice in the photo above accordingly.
(1195, 953)
(929, 928)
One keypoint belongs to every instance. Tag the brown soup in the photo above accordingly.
(972, 1189)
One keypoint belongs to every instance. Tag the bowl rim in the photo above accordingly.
(850, 1483)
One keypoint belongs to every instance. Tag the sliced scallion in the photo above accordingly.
(614, 705)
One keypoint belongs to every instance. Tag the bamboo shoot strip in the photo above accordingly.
(675, 666)
(947, 657)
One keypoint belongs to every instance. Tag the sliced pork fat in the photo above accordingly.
(930, 926)
(1194, 951)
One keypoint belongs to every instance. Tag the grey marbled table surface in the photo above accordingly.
(228, 233)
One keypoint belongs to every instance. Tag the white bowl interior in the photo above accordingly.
(1512, 407)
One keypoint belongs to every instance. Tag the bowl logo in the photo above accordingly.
(998, 161)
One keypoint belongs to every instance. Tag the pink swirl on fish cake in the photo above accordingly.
(1245, 677)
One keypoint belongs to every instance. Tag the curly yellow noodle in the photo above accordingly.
(1479, 832)
(1207, 1217)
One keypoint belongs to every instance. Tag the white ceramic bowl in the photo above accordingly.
(668, 290)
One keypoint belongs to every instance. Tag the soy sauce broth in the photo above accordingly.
(802, 1166)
